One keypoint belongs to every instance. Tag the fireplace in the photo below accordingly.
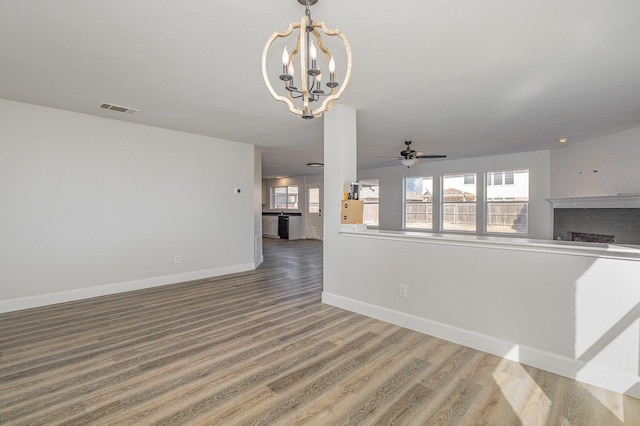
(591, 238)
(607, 220)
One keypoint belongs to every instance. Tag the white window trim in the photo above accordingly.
(433, 205)
(273, 197)
(485, 202)
(479, 217)
(372, 203)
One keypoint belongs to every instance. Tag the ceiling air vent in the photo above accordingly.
(119, 108)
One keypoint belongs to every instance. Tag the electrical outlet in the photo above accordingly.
(176, 259)
(403, 290)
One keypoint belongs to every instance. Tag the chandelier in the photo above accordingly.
(304, 57)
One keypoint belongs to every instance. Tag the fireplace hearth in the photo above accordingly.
(591, 238)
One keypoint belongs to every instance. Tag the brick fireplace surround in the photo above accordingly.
(610, 219)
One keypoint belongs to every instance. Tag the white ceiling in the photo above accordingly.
(463, 78)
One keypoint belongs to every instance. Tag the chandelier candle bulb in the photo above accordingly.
(318, 90)
(332, 74)
(286, 76)
(313, 54)
(312, 51)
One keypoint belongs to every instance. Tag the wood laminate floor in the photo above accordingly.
(259, 348)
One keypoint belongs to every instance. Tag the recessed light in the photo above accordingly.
(315, 164)
(563, 140)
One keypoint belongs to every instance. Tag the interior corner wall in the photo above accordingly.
(602, 166)
(257, 207)
(94, 206)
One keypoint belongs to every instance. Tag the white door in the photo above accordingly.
(313, 222)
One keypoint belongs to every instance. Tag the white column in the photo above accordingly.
(339, 166)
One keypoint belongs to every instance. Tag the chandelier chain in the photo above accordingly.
(308, 13)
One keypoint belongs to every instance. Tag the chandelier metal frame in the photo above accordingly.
(310, 90)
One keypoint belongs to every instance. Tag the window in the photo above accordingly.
(508, 203)
(458, 203)
(497, 178)
(509, 177)
(313, 203)
(285, 197)
(500, 178)
(370, 196)
(470, 179)
(418, 203)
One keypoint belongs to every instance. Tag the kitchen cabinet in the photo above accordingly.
(293, 230)
(295, 227)
(270, 226)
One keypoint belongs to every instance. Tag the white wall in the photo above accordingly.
(574, 314)
(340, 160)
(615, 158)
(257, 207)
(93, 206)
(538, 163)
(570, 314)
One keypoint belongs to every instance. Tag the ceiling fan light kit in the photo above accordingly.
(409, 157)
(302, 88)
(408, 162)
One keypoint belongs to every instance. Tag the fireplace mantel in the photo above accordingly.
(600, 202)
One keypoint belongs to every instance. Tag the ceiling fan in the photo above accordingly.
(408, 157)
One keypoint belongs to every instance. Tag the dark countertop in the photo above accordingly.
(279, 214)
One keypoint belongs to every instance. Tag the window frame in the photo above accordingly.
(368, 202)
(309, 203)
(508, 200)
(427, 204)
(273, 201)
(464, 176)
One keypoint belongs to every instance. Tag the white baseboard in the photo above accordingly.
(615, 380)
(103, 290)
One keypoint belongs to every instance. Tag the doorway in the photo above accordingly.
(313, 222)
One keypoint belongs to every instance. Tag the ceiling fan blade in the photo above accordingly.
(391, 161)
(431, 156)
(395, 158)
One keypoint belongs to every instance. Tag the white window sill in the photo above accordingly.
(607, 251)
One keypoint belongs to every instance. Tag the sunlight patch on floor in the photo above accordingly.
(607, 399)
(526, 398)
